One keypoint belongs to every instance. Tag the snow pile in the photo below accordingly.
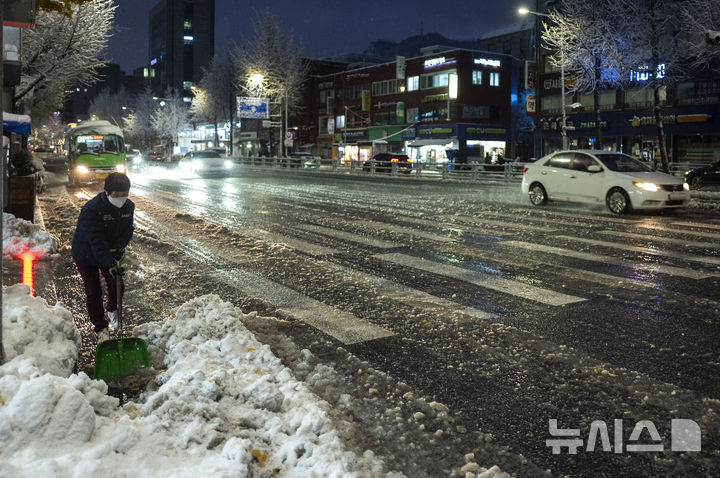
(20, 236)
(225, 407)
(47, 336)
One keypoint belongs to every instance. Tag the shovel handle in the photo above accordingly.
(118, 285)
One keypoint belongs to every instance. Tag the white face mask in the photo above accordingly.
(117, 202)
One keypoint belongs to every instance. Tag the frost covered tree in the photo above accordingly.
(50, 131)
(109, 106)
(138, 125)
(169, 118)
(588, 42)
(63, 51)
(272, 53)
(657, 48)
(701, 17)
(215, 98)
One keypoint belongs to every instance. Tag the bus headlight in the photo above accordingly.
(82, 169)
(120, 168)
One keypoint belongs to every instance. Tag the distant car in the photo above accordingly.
(201, 162)
(157, 157)
(706, 176)
(45, 154)
(133, 159)
(620, 181)
(383, 162)
(296, 159)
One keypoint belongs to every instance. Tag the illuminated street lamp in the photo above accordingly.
(563, 132)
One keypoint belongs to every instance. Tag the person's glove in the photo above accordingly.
(117, 270)
(118, 255)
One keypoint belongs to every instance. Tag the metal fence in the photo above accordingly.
(509, 172)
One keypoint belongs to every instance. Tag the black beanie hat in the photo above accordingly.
(117, 182)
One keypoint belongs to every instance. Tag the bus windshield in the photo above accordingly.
(99, 144)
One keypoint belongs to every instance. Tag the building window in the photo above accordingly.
(436, 80)
(507, 46)
(187, 25)
(387, 87)
(413, 83)
(477, 77)
(494, 78)
(340, 121)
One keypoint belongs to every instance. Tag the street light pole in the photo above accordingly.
(563, 127)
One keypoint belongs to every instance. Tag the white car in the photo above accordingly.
(620, 181)
(205, 162)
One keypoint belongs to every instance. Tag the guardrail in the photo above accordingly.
(509, 172)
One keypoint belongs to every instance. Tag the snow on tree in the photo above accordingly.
(272, 53)
(587, 41)
(170, 118)
(138, 125)
(702, 24)
(50, 131)
(109, 106)
(62, 52)
(215, 98)
(658, 50)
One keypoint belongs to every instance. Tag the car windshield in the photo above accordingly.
(623, 163)
(205, 154)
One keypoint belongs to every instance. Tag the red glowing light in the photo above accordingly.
(27, 275)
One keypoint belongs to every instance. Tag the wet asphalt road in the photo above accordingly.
(510, 315)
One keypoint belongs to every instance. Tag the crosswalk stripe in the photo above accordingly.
(298, 244)
(668, 240)
(588, 256)
(410, 296)
(644, 250)
(479, 221)
(685, 232)
(404, 230)
(344, 326)
(349, 236)
(696, 224)
(508, 286)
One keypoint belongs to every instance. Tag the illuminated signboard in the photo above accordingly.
(435, 62)
(644, 74)
(487, 62)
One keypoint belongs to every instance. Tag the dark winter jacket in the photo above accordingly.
(101, 227)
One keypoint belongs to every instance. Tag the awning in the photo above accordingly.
(13, 123)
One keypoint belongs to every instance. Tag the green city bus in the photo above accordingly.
(94, 150)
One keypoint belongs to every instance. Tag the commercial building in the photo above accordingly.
(448, 104)
(181, 43)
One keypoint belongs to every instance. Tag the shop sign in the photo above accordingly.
(434, 62)
(486, 131)
(400, 67)
(428, 131)
(366, 101)
(701, 118)
(355, 133)
(331, 126)
(409, 133)
(400, 112)
(248, 135)
(644, 74)
(487, 62)
(650, 120)
(591, 124)
(431, 98)
(530, 105)
(254, 108)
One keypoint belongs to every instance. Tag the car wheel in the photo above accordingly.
(618, 201)
(696, 182)
(537, 194)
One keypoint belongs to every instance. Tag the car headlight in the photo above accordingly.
(82, 169)
(197, 164)
(686, 186)
(137, 159)
(227, 164)
(120, 168)
(645, 186)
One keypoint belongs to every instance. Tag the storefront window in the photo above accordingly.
(639, 97)
(551, 104)
(412, 114)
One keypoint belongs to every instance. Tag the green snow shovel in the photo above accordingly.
(116, 358)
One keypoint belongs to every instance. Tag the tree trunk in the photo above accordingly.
(660, 129)
(217, 136)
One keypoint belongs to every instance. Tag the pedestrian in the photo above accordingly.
(104, 229)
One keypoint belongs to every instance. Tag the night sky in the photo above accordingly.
(324, 27)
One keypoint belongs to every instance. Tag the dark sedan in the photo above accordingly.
(705, 176)
(383, 162)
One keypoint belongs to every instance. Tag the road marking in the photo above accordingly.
(696, 224)
(477, 222)
(645, 250)
(404, 230)
(668, 240)
(349, 236)
(344, 326)
(670, 270)
(685, 232)
(300, 245)
(508, 286)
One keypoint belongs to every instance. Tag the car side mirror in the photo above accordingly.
(594, 168)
